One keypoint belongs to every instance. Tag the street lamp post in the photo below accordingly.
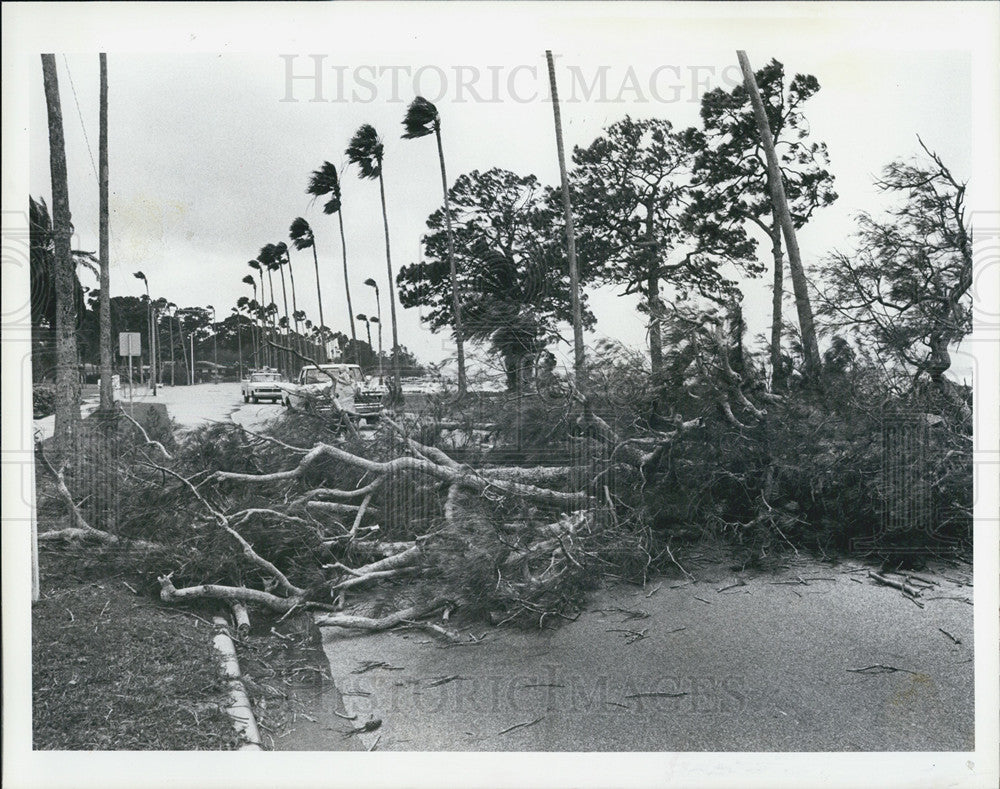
(376, 320)
(152, 333)
(368, 327)
(239, 342)
(170, 329)
(371, 283)
(215, 346)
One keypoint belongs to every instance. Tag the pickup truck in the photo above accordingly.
(262, 385)
(342, 385)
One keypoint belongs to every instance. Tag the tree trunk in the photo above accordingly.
(288, 322)
(107, 395)
(67, 405)
(799, 285)
(574, 275)
(655, 336)
(347, 283)
(455, 301)
(295, 305)
(396, 389)
(777, 291)
(319, 299)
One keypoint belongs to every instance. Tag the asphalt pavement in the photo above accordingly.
(814, 658)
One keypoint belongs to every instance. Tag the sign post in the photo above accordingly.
(129, 345)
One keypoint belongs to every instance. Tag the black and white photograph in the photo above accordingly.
(501, 394)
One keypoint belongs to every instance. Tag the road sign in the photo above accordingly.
(129, 343)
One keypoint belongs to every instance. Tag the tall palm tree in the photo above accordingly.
(422, 118)
(366, 151)
(249, 280)
(255, 264)
(325, 183)
(281, 249)
(246, 304)
(67, 404)
(301, 236)
(274, 261)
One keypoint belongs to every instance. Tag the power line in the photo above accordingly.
(80, 116)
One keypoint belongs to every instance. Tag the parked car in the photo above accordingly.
(341, 385)
(262, 385)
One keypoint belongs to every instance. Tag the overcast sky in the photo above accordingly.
(210, 152)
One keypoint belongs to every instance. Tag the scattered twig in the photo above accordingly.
(444, 680)
(706, 602)
(656, 694)
(878, 668)
(520, 726)
(955, 640)
(671, 555)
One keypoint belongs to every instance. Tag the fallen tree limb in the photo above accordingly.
(368, 577)
(171, 594)
(405, 616)
(255, 558)
(81, 527)
(447, 473)
(906, 588)
(145, 435)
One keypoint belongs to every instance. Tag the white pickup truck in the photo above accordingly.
(262, 384)
(342, 385)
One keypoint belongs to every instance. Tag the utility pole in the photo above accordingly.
(107, 395)
(574, 274)
(775, 183)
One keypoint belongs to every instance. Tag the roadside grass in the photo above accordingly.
(113, 670)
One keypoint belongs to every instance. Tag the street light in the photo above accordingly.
(152, 336)
(171, 307)
(368, 327)
(371, 283)
(239, 339)
(376, 320)
(215, 346)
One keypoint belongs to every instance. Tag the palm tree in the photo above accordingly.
(281, 249)
(249, 280)
(422, 119)
(324, 182)
(255, 264)
(275, 262)
(270, 260)
(301, 236)
(67, 405)
(366, 151)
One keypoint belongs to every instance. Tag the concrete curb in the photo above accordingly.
(239, 708)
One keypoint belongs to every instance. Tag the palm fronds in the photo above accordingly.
(322, 183)
(365, 150)
(421, 119)
(301, 233)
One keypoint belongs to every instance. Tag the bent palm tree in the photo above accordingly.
(271, 258)
(366, 151)
(281, 250)
(249, 280)
(324, 182)
(301, 236)
(422, 119)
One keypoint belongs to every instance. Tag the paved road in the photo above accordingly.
(189, 406)
(769, 666)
